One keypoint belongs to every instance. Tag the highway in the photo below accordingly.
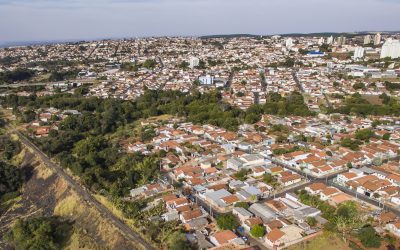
(84, 193)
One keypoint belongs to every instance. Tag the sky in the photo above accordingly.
(50, 20)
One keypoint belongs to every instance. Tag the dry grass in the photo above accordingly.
(81, 240)
(373, 99)
(159, 118)
(43, 172)
(68, 206)
(325, 241)
(103, 200)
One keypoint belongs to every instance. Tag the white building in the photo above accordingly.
(377, 39)
(321, 41)
(289, 43)
(194, 62)
(391, 48)
(206, 80)
(358, 53)
(341, 40)
(367, 39)
(329, 40)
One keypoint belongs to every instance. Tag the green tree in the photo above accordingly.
(242, 204)
(369, 238)
(349, 143)
(311, 221)
(177, 241)
(364, 134)
(150, 64)
(386, 136)
(347, 210)
(227, 221)
(257, 231)
(39, 233)
(241, 174)
(359, 85)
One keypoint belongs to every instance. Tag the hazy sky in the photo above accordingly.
(35, 20)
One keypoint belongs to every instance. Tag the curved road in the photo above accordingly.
(82, 192)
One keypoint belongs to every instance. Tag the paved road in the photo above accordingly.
(82, 192)
(296, 79)
(27, 84)
(365, 198)
(329, 181)
(230, 79)
(307, 176)
(328, 102)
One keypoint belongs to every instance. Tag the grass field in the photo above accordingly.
(325, 241)
(373, 99)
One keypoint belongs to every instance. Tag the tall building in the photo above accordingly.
(321, 41)
(391, 48)
(289, 43)
(341, 40)
(367, 39)
(358, 53)
(329, 40)
(194, 62)
(377, 39)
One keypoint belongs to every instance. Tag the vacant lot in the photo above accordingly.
(326, 241)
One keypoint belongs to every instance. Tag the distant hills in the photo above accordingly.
(317, 34)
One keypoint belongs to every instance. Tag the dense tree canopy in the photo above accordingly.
(10, 178)
(257, 231)
(16, 75)
(39, 233)
(355, 104)
(227, 221)
(369, 238)
(80, 143)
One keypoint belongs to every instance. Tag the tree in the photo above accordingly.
(347, 210)
(243, 204)
(359, 85)
(19, 74)
(227, 221)
(184, 65)
(311, 221)
(349, 143)
(10, 178)
(177, 241)
(364, 134)
(252, 118)
(386, 136)
(269, 179)
(149, 64)
(39, 233)
(369, 237)
(257, 231)
(28, 116)
(241, 174)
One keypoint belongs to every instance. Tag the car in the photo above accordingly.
(245, 239)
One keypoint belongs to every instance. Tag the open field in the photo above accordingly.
(373, 99)
(326, 241)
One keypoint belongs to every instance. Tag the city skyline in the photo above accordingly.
(46, 20)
